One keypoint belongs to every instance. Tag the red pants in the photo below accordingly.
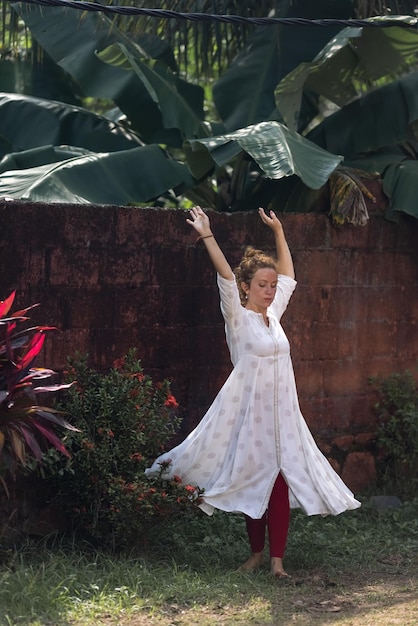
(276, 518)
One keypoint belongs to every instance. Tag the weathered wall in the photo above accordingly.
(114, 277)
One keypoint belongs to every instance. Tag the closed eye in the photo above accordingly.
(262, 285)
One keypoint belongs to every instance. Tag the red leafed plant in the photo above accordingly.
(26, 428)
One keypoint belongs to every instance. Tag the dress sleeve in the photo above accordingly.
(231, 307)
(285, 288)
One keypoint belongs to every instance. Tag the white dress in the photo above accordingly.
(254, 429)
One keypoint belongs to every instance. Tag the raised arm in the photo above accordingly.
(284, 258)
(200, 222)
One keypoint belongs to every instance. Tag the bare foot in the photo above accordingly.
(277, 569)
(252, 563)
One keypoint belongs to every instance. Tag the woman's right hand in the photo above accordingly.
(270, 219)
(200, 221)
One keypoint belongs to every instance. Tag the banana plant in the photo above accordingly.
(26, 427)
(167, 109)
(362, 59)
(54, 152)
(321, 88)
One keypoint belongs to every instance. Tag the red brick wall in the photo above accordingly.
(114, 277)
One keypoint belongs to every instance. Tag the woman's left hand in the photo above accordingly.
(270, 219)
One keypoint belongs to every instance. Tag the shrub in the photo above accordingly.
(125, 422)
(397, 433)
(26, 428)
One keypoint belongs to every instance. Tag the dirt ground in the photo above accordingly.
(384, 598)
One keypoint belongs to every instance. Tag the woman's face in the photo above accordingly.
(261, 290)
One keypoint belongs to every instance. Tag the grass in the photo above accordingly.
(358, 568)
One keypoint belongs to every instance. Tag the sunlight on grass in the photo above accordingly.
(187, 575)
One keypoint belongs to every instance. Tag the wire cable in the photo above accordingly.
(81, 5)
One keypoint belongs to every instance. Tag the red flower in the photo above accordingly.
(119, 364)
(171, 402)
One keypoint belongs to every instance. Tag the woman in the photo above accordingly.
(253, 452)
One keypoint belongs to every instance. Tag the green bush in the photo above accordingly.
(397, 432)
(125, 422)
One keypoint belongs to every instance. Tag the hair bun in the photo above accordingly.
(251, 252)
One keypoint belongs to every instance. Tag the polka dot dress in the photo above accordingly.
(254, 429)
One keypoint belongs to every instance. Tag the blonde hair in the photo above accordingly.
(252, 261)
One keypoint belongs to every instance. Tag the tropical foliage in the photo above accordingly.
(286, 107)
(26, 427)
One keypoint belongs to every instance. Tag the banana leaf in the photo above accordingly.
(401, 186)
(15, 75)
(164, 87)
(27, 122)
(120, 178)
(244, 94)
(400, 179)
(72, 39)
(382, 118)
(355, 61)
(40, 77)
(278, 151)
(39, 156)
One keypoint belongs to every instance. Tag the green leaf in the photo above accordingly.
(27, 122)
(377, 161)
(401, 186)
(355, 61)
(335, 56)
(163, 87)
(73, 38)
(357, 128)
(124, 177)
(399, 176)
(39, 156)
(277, 150)
(244, 94)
